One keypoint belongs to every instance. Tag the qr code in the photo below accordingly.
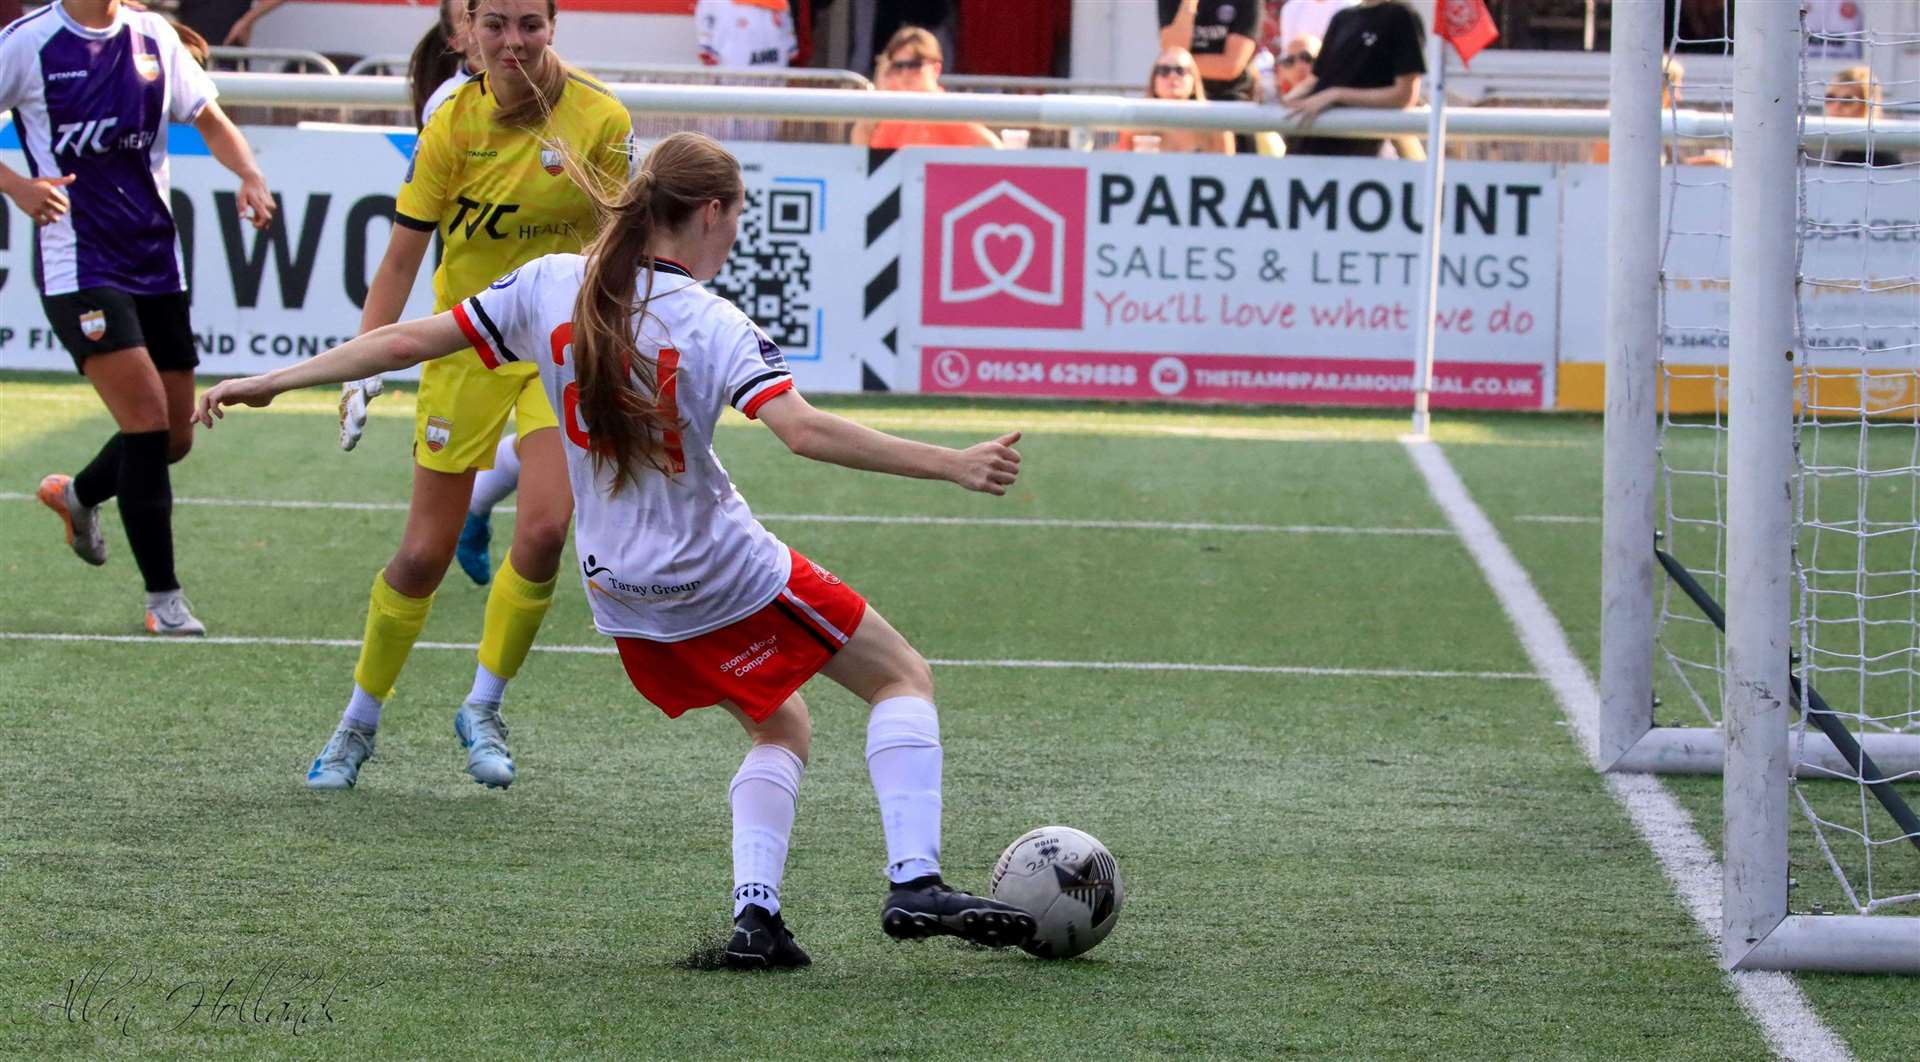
(770, 274)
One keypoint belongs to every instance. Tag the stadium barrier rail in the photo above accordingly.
(360, 92)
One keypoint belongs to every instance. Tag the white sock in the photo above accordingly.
(763, 794)
(363, 710)
(494, 484)
(903, 759)
(488, 688)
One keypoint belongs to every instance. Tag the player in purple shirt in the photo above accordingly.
(92, 85)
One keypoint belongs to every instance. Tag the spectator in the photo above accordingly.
(1671, 84)
(1853, 93)
(1673, 77)
(1295, 63)
(229, 22)
(745, 33)
(1309, 18)
(1372, 57)
(1222, 40)
(912, 62)
(1175, 76)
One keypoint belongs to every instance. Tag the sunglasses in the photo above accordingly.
(1297, 60)
(1171, 70)
(907, 65)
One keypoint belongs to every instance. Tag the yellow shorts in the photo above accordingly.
(463, 409)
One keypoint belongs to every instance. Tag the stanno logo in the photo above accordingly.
(66, 75)
(1006, 246)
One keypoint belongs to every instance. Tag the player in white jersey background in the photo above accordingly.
(92, 85)
(707, 607)
(443, 59)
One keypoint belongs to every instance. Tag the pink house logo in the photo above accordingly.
(1005, 246)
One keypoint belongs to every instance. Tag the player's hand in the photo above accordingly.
(42, 199)
(245, 391)
(255, 202)
(989, 467)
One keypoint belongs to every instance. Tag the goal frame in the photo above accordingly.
(1754, 748)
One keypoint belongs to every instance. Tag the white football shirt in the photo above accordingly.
(444, 92)
(665, 559)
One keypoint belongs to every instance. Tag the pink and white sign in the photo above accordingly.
(1295, 280)
(1223, 378)
(1006, 244)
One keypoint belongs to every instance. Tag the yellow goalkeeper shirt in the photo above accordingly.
(500, 197)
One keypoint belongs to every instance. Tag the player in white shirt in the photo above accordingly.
(707, 607)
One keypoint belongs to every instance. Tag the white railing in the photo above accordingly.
(375, 65)
(1061, 86)
(1062, 112)
(320, 63)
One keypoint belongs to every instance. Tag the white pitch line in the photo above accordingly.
(1773, 1000)
(608, 650)
(846, 518)
(1550, 518)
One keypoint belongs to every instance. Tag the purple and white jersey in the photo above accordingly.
(95, 104)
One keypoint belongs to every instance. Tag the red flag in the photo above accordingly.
(1466, 25)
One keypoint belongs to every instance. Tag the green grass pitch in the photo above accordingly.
(1318, 865)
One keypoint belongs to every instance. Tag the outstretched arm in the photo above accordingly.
(387, 349)
(989, 467)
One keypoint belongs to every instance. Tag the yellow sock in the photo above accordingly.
(515, 608)
(393, 622)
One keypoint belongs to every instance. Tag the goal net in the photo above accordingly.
(1848, 439)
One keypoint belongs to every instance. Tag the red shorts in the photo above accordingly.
(757, 662)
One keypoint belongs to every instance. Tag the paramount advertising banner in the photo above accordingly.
(1859, 295)
(1062, 274)
(261, 300)
(1190, 277)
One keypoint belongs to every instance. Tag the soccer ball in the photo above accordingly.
(1068, 882)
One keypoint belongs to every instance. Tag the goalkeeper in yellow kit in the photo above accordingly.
(488, 176)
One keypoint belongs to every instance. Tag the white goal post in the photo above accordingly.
(1773, 498)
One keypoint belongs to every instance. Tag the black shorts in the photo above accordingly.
(102, 320)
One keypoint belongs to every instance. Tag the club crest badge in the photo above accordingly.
(147, 64)
(551, 162)
(439, 433)
(93, 324)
